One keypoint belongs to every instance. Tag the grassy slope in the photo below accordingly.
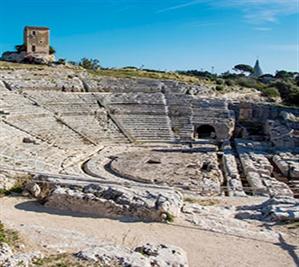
(117, 73)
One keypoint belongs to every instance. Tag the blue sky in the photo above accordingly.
(162, 34)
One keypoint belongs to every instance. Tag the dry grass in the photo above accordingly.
(67, 260)
(293, 225)
(136, 73)
(117, 73)
(202, 202)
(8, 236)
(20, 182)
(62, 260)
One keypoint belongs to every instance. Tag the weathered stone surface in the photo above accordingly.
(33, 189)
(73, 84)
(222, 220)
(259, 170)
(114, 201)
(22, 259)
(230, 168)
(145, 256)
(273, 209)
(9, 259)
(5, 252)
(281, 209)
(194, 169)
(6, 183)
(25, 57)
(288, 163)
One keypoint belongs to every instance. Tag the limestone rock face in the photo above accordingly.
(115, 201)
(9, 259)
(26, 57)
(33, 189)
(146, 256)
(259, 170)
(274, 209)
(281, 209)
(65, 84)
(5, 252)
(6, 183)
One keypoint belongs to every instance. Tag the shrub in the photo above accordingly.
(229, 83)
(20, 48)
(293, 97)
(90, 64)
(249, 83)
(130, 68)
(283, 87)
(169, 217)
(61, 61)
(219, 88)
(282, 74)
(52, 51)
(200, 74)
(270, 92)
(220, 81)
(72, 63)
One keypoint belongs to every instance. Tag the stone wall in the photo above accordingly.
(37, 40)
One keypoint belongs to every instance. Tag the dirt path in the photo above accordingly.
(51, 231)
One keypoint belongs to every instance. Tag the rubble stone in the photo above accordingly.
(147, 256)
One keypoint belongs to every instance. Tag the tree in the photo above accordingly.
(20, 48)
(294, 96)
(90, 64)
(52, 50)
(282, 74)
(243, 68)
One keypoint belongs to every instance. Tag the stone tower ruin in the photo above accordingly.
(36, 40)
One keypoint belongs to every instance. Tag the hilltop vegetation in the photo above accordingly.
(283, 87)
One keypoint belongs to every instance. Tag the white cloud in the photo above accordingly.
(255, 11)
(180, 6)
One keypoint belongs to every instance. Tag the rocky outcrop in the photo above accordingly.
(24, 57)
(10, 259)
(221, 219)
(5, 252)
(146, 256)
(110, 201)
(73, 84)
(281, 209)
(288, 164)
(259, 170)
(6, 183)
(274, 209)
